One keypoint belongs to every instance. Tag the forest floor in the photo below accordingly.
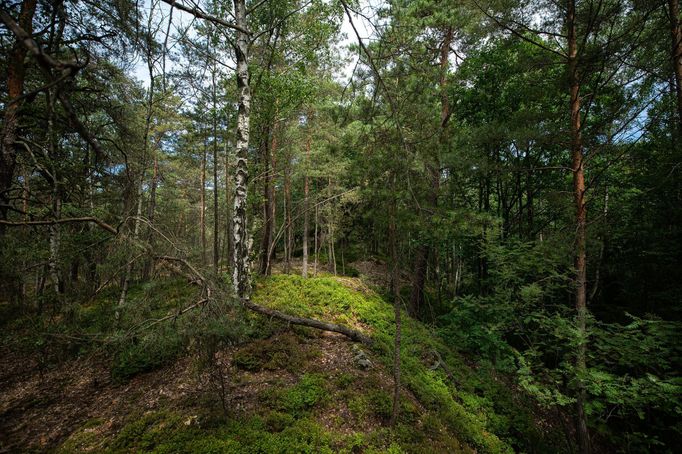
(290, 390)
(41, 408)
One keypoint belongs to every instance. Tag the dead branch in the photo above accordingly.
(100, 223)
(301, 321)
(309, 322)
(202, 15)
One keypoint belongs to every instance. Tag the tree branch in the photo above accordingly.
(301, 321)
(201, 15)
(102, 224)
(47, 63)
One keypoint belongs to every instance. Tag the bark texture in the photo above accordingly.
(240, 270)
(15, 87)
(580, 218)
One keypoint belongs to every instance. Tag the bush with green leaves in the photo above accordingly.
(525, 325)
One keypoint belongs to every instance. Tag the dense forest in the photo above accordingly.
(283, 226)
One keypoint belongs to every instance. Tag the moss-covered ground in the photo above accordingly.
(283, 389)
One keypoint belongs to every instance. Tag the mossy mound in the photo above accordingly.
(347, 301)
(305, 394)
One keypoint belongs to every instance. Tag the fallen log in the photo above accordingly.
(352, 334)
(309, 322)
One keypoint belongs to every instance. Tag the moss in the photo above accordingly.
(329, 299)
(281, 352)
(84, 439)
(278, 421)
(459, 411)
(298, 399)
(344, 380)
(153, 350)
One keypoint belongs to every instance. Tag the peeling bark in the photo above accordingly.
(240, 271)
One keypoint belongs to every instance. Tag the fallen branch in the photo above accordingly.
(440, 363)
(309, 322)
(100, 223)
(154, 321)
(294, 320)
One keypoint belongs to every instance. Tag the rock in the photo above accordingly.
(360, 358)
(364, 363)
(192, 421)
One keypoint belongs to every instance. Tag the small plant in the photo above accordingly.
(154, 350)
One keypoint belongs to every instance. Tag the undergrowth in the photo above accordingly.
(455, 407)
(471, 403)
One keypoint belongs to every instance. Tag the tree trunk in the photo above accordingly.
(54, 264)
(306, 204)
(54, 235)
(331, 259)
(15, 87)
(228, 207)
(287, 213)
(240, 271)
(315, 251)
(422, 255)
(676, 34)
(216, 217)
(202, 212)
(151, 208)
(581, 217)
(267, 246)
(392, 240)
(529, 196)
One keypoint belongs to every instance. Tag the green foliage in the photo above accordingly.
(329, 299)
(153, 350)
(300, 398)
(519, 327)
(163, 432)
(282, 352)
(377, 402)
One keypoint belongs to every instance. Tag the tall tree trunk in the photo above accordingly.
(422, 254)
(273, 199)
(54, 260)
(529, 197)
(315, 245)
(54, 239)
(240, 271)
(266, 239)
(151, 209)
(228, 207)
(216, 217)
(202, 212)
(676, 53)
(392, 241)
(306, 204)
(287, 213)
(580, 217)
(15, 88)
(26, 193)
(267, 243)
